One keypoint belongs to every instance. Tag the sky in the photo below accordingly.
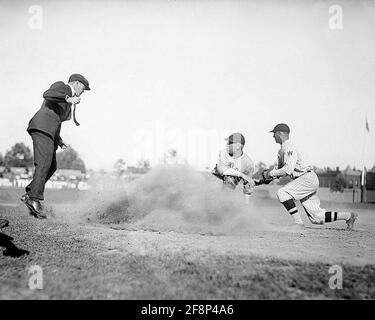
(184, 74)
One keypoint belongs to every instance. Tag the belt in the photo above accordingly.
(302, 173)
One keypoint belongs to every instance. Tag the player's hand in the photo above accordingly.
(62, 145)
(73, 100)
(266, 174)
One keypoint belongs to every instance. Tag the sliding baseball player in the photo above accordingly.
(304, 185)
(234, 165)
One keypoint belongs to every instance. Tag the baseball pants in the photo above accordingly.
(304, 189)
(45, 164)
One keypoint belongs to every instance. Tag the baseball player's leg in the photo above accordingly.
(331, 216)
(28, 187)
(318, 215)
(43, 156)
(314, 212)
(289, 204)
(297, 189)
(52, 168)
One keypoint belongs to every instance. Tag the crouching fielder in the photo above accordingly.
(304, 185)
(234, 165)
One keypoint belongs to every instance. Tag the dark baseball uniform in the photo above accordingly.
(44, 128)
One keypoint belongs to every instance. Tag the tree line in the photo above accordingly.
(20, 155)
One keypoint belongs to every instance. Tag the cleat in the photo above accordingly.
(35, 208)
(24, 198)
(351, 220)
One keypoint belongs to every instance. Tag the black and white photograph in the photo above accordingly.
(197, 151)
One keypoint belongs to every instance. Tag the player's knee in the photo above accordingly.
(320, 217)
(282, 195)
(316, 220)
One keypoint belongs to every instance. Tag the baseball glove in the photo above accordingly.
(229, 181)
(266, 178)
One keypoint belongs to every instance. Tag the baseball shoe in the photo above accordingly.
(3, 223)
(24, 198)
(35, 208)
(351, 220)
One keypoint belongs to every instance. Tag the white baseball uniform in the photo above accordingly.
(304, 185)
(228, 165)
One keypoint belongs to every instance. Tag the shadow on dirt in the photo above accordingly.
(11, 250)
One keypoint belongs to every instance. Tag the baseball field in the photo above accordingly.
(175, 234)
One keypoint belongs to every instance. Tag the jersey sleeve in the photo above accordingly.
(223, 166)
(57, 92)
(249, 167)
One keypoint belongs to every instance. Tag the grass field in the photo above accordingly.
(88, 255)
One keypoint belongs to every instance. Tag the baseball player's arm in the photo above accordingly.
(290, 156)
(246, 174)
(232, 172)
(224, 168)
(57, 92)
(61, 143)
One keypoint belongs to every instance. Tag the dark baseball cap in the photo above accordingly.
(236, 138)
(80, 78)
(281, 127)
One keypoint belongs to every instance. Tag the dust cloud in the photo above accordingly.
(177, 198)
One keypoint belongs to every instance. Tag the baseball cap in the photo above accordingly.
(80, 78)
(236, 138)
(281, 127)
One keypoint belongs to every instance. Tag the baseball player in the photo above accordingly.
(234, 165)
(304, 185)
(44, 129)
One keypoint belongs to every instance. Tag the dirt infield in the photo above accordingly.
(84, 259)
